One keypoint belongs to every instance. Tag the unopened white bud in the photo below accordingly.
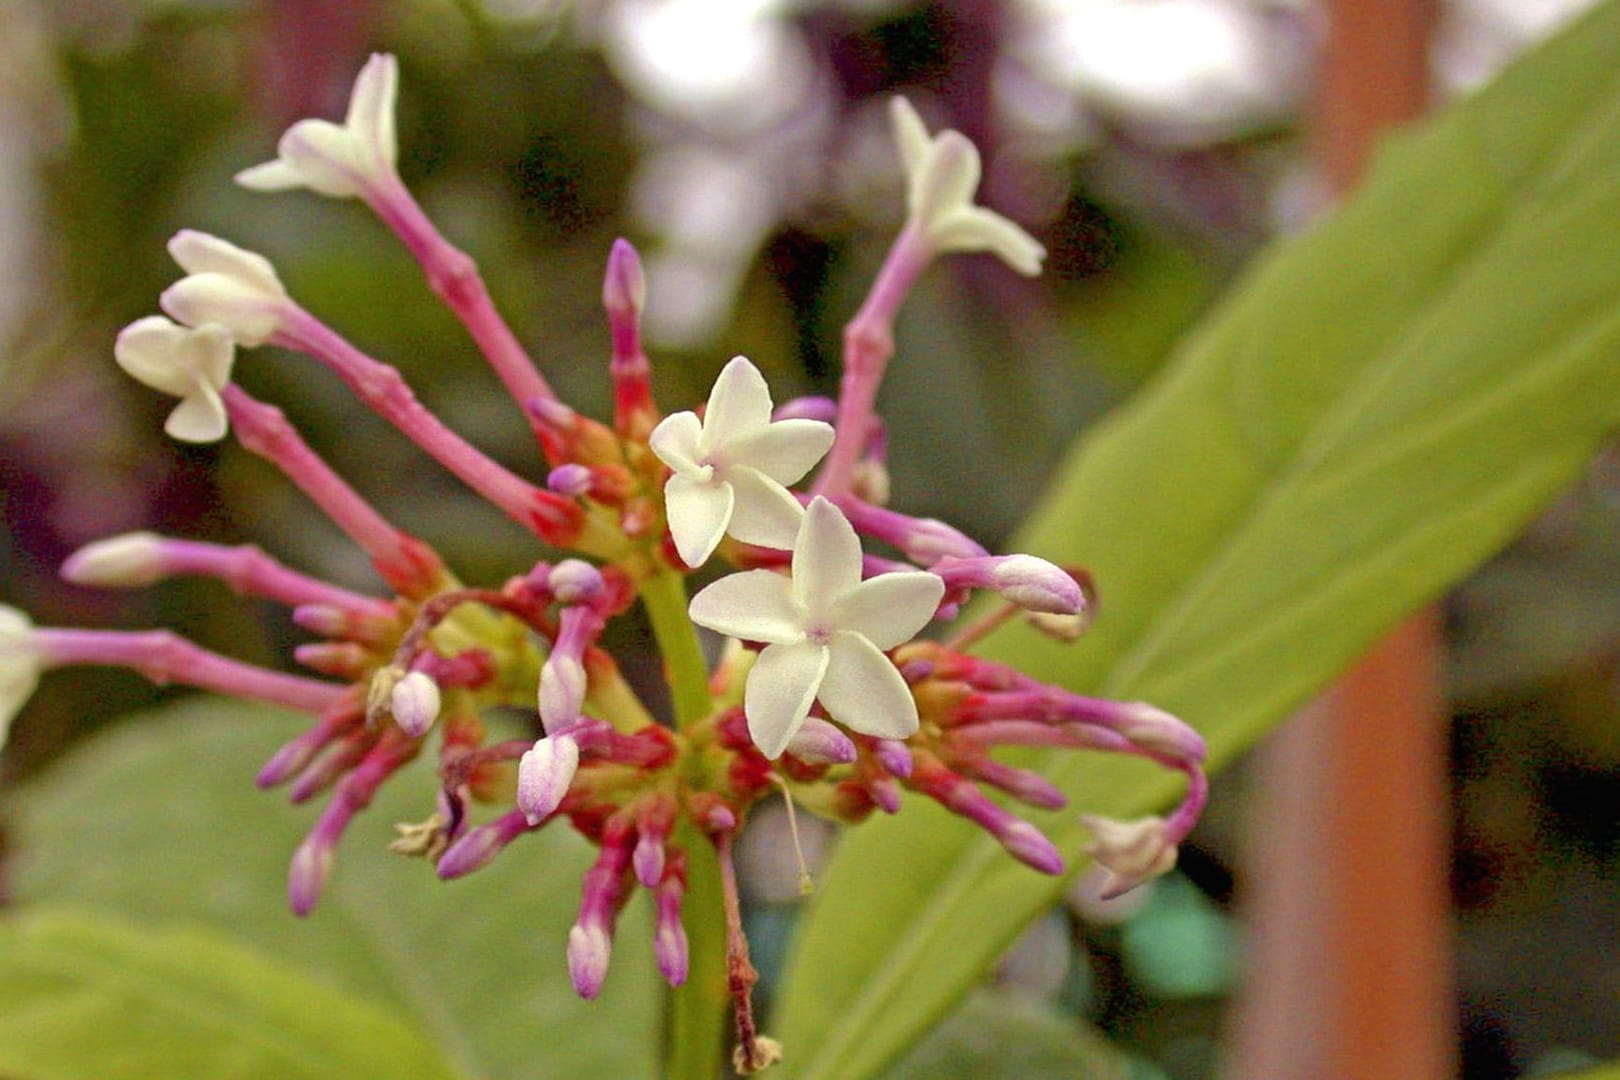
(1037, 585)
(414, 701)
(573, 581)
(544, 774)
(127, 561)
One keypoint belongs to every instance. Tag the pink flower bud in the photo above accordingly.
(480, 845)
(574, 581)
(589, 950)
(306, 876)
(572, 479)
(818, 742)
(544, 774)
(895, 756)
(1030, 846)
(624, 289)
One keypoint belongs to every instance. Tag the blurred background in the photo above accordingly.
(743, 145)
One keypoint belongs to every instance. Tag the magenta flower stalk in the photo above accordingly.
(406, 563)
(554, 519)
(165, 657)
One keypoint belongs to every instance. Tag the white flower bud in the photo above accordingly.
(414, 701)
(128, 561)
(544, 774)
(19, 665)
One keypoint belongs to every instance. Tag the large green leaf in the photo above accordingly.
(1002, 1035)
(85, 999)
(158, 820)
(1379, 407)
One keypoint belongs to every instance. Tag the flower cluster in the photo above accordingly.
(826, 690)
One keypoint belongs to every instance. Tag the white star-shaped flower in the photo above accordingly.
(1131, 851)
(192, 365)
(341, 160)
(732, 467)
(826, 631)
(225, 284)
(942, 176)
(19, 665)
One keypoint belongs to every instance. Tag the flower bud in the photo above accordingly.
(127, 561)
(574, 581)
(589, 950)
(624, 289)
(414, 701)
(572, 479)
(544, 774)
(818, 742)
(19, 665)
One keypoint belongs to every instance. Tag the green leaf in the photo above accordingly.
(997, 1035)
(1605, 1072)
(86, 999)
(1381, 405)
(158, 820)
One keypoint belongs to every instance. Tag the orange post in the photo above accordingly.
(1346, 888)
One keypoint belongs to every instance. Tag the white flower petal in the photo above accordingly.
(890, 609)
(755, 605)
(19, 665)
(698, 516)
(193, 365)
(675, 441)
(327, 158)
(274, 175)
(910, 135)
(765, 513)
(785, 450)
(1131, 851)
(739, 404)
(781, 687)
(199, 418)
(148, 350)
(949, 179)
(370, 118)
(210, 353)
(864, 691)
(977, 229)
(826, 557)
(203, 253)
(199, 299)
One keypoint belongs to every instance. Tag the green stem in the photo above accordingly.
(697, 1042)
(664, 594)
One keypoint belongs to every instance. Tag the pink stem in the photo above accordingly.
(868, 344)
(247, 569)
(165, 657)
(555, 519)
(406, 563)
(453, 275)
